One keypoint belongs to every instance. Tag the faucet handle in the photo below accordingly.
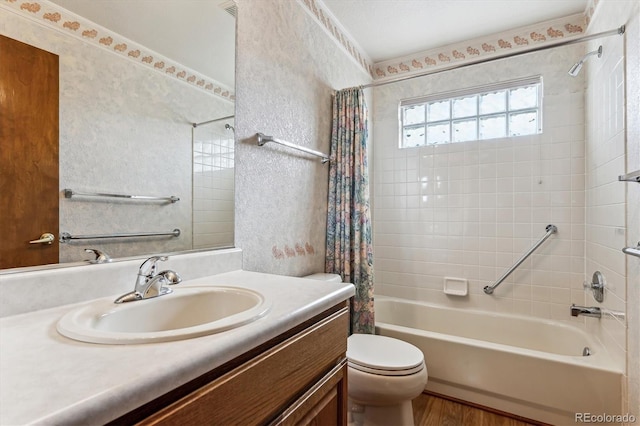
(171, 277)
(148, 267)
(101, 257)
(596, 285)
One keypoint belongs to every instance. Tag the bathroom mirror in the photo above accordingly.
(134, 77)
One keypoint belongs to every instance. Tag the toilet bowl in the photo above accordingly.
(383, 376)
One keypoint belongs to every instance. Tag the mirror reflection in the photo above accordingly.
(132, 79)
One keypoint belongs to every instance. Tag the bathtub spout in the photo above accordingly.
(586, 311)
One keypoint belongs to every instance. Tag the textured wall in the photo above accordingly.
(123, 129)
(286, 69)
(613, 207)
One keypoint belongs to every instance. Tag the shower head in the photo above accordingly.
(229, 127)
(575, 69)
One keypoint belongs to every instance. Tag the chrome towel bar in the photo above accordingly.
(68, 193)
(65, 237)
(551, 229)
(263, 139)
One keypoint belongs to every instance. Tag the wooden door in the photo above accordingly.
(28, 154)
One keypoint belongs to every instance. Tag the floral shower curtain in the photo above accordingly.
(349, 248)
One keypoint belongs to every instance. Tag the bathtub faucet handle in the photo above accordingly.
(596, 286)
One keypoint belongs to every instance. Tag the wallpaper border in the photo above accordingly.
(512, 40)
(492, 45)
(327, 21)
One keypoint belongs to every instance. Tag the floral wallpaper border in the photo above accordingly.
(591, 9)
(323, 17)
(493, 45)
(513, 40)
(55, 17)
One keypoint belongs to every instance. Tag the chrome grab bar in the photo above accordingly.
(632, 251)
(630, 177)
(262, 139)
(551, 229)
(68, 193)
(65, 237)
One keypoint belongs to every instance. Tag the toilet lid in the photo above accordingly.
(383, 355)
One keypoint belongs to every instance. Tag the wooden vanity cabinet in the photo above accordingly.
(299, 378)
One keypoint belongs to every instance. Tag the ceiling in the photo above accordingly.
(389, 29)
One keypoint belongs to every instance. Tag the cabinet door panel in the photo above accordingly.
(325, 404)
(256, 392)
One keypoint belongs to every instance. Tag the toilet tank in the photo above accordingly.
(334, 278)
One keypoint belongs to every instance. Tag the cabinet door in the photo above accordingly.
(325, 404)
(256, 392)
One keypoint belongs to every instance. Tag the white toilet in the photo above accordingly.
(384, 375)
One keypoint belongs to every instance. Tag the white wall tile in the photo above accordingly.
(492, 199)
(511, 189)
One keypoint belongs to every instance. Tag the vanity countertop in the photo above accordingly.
(46, 378)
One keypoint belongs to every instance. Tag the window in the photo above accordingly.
(502, 110)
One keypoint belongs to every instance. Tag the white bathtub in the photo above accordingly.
(529, 367)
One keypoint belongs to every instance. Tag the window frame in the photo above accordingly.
(477, 92)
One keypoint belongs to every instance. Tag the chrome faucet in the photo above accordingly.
(148, 283)
(101, 257)
(586, 311)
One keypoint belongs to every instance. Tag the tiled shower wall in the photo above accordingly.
(605, 160)
(213, 185)
(470, 210)
(613, 208)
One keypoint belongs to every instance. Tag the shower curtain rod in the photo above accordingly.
(617, 31)
(212, 121)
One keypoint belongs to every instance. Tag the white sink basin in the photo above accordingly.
(187, 312)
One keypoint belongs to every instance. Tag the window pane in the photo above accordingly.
(523, 97)
(438, 133)
(500, 111)
(465, 130)
(493, 127)
(524, 123)
(438, 111)
(413, 136)
(414, 114)
(493, 102)
(465, 107)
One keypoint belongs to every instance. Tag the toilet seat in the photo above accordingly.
(383, 355)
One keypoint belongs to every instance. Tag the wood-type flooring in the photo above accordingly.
(434, 410)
